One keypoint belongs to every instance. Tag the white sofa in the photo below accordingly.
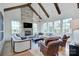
(20, 45)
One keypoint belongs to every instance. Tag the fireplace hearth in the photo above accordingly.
(27, 33)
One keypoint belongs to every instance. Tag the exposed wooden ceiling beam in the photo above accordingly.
(77, 5)
(20, 6)
(14, 7)
(57, 8)
(34, 11)
(43, 9)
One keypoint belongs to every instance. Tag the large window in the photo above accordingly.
(50, 27)
(66, 25)
(45, 28)
(35, 29)
(57, 27)
(15, 27)
(1, 26)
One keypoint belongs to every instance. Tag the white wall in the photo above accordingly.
(75, 37)
(12, 15)
(7, 25)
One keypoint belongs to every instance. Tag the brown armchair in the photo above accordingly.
(51, 39)
(51, 49)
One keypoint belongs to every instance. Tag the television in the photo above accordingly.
(27, 25)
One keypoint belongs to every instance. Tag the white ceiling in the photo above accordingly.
(68, 10)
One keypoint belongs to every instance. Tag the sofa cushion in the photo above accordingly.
(23, 38)
(18, 35)
(16, 38)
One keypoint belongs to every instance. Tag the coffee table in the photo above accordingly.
(37, 39)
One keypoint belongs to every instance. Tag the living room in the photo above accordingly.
(27, 27)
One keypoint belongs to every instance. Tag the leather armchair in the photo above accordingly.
(51, 49)
(51, 39)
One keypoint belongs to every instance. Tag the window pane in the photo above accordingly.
(1, 36)
(66, 25)
(15, 27)
(44, 28)
(57, 27)
(35, 30)
(50, 27)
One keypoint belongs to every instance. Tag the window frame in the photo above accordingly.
(61, 27)
(2, 26)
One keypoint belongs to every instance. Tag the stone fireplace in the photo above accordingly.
(28, 33)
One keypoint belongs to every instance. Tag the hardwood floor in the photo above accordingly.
(7, 50)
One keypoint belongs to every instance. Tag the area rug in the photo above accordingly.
(32, 52)
(36, 52)
(7, 51)
(26, 53)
